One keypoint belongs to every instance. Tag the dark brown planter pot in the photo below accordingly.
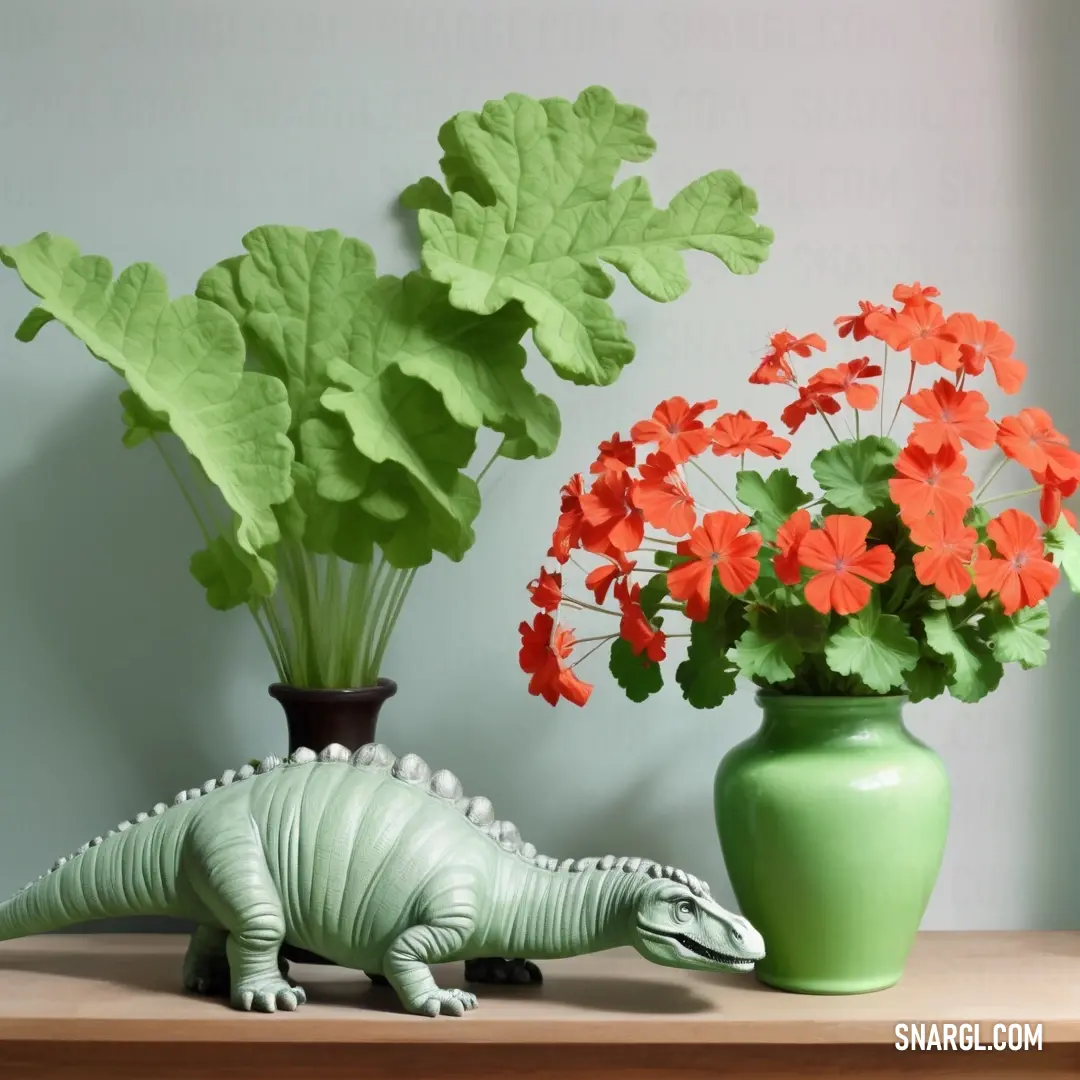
(317, 718)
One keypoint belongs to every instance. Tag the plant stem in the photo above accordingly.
(590, 607)
(661, 540)
(856, 425)
(910, 384)
(1010, 495)
(491, 461)
(991, 478)
(595, 637)
(716, 485)
(881, 402)
(832, 430)
(183, 490)
(598, 645)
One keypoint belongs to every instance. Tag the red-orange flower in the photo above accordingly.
(913, 295)
(663, 497)
(931, 483)
(982, 341)
(719, 546)
(616, 454)
(784, 343)
(1030, 439)
(1021, 574)
(809, 402)
(1054, 491)
(843, 564)
(635, 628)
(546, 590)
(676, 429)
(921, 329)
(842, 380)
(567, 535)
(610, 518)
(738, 433)
(772, 369)
(855, 325)
(544, 647)
(601, 579)
(789, 537)
(953, 417)
(947, 545)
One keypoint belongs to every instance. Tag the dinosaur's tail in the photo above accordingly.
(131, 872)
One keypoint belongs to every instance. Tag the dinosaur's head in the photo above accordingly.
(676, 927)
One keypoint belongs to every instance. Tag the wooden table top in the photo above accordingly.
(126, 988)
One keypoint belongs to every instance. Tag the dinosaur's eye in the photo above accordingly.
(684, 909)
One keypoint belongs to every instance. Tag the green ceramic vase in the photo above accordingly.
(832, 820)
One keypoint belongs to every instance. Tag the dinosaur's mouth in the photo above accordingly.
(696, 947)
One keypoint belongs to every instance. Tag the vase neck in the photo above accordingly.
(869, 721)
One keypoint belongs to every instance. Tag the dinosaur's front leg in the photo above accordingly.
(406, 967)
(226, 867)
(502, 971)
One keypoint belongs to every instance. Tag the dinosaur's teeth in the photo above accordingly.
(123, 826)
(97, 841)
(209, 786)
(528, 851)
(606, 863)
(631, 864)
(140, 818)
(159, 809)
(334, 752)
(302, 756)
(268, 764)
(227, 777)
(565, 865)
(245, 771)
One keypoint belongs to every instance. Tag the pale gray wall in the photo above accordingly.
(937, 141)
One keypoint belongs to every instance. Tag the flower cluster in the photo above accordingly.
(894, 579)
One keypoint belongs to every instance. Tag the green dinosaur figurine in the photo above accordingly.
(376, 863)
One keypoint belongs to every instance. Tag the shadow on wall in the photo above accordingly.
(1052, 86)
(120, 679)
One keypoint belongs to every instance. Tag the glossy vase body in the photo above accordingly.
(832, 820)
(317, 718)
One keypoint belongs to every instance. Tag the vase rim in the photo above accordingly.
(383, 689)
(763, 696)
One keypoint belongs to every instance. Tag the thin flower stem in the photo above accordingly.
(881, 403)
(991, 478)
(716, 485)
(1010, 495)
(599, 645)
(646, 570)
(590, 607)
(910, 384)
(973, 613)
(832, 430)
(742, 462)
(595, 637)
(856, 425)
(661, 540)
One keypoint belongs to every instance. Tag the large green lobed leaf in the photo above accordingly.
(532, 212)
(184, 363)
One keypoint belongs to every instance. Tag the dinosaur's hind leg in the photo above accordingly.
(226, 868)
(206, 967)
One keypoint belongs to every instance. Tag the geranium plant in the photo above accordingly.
(321, 419)
(899, 574)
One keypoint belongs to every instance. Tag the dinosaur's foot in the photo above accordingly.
(498, 970)
(446, 1002)
(206, 974)
(267, 994)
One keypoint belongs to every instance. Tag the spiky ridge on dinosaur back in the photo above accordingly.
(440, 784)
